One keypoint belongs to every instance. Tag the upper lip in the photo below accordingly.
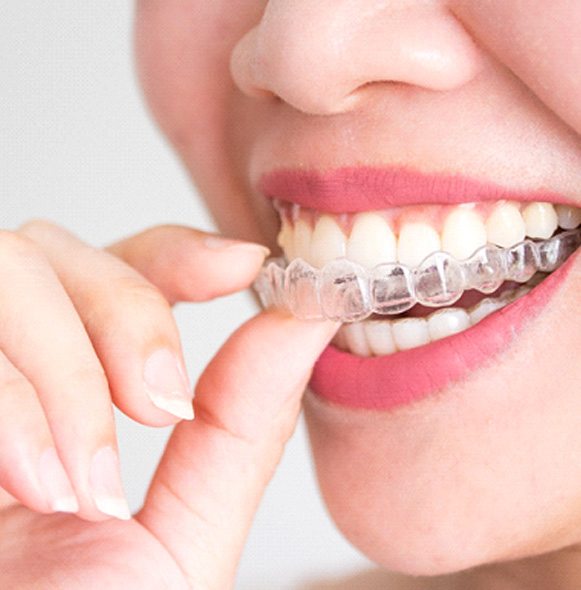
(353, 189)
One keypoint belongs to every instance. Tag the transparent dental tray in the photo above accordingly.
(347, 292)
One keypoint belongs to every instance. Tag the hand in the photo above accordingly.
(78, 326)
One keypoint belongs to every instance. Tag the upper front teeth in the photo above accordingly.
(505, 225)
(416, 241)
(346, 291)
(372, 238)
(372, 241)
(346, 267)
(464, 232)
(327, 242)
(541, 220)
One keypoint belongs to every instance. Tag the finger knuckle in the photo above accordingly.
(135, 290)
(205, 415)
(87, 373)
(163, 229)
(124, 301)
(14, 386)
(36, 224)
(20, 248)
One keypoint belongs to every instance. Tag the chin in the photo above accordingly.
(474, 474)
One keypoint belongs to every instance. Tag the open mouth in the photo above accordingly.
(406, 261)
(404, 279)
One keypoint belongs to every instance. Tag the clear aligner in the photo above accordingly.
(347, 292)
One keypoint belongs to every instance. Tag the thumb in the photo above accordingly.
(187, 264)
(211, 478)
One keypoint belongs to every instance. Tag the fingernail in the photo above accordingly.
(55, 481)
(167, 384)
(105, 482)
(215, 242)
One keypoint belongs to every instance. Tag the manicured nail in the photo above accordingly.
(167, 384)
(215, 242)
(105, 482)
(55, 481)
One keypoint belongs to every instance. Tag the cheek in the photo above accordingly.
(487, 471)
(183, 53)
(538, 41)
(183, 66)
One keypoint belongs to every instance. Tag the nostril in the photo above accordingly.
(323, 59)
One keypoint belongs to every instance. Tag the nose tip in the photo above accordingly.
(290, 70)
(324, 60)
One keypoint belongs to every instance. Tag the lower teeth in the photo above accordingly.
(383, 337)
(346, 292)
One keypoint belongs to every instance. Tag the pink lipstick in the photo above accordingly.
(349, 190)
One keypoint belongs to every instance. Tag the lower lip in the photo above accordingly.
(383, 383)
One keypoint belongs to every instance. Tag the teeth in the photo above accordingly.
(410, 333)
(540, 219)
(327, 242)
(447, 322)
(484, 309)
(371, 241)
(505, 227)
(339, 340)
(464, 230)
(416, 241)
(302, 240)
(384, 337)
(569, 217)
(285, 239)
(355, 339)
(373, 271)
(463, 233)
(380, 337)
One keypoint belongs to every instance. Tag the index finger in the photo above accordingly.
(187, 264)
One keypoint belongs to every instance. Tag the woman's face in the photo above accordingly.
(466, 450)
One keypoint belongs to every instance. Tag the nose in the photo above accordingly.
(321, 56)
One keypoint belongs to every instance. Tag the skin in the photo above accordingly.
(476, 475)
(477, 487)
(214, 469)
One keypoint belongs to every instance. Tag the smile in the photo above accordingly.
(488, 265)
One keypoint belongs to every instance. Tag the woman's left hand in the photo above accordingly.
(203, 497)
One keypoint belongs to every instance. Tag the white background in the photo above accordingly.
(77, 147)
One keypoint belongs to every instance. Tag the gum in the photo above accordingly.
(396, 217)
(346, 292)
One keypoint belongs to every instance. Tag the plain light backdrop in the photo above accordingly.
(77, 147)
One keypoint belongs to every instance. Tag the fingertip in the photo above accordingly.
(148, 413)
(227, 266)
(177, 408)
(282, 319)
(227, 245)
(217, 267)
(167, 384)
(187, 264)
